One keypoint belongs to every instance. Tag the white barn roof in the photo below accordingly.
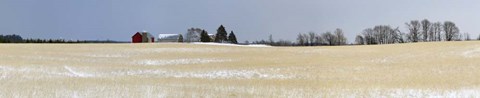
(164, 36)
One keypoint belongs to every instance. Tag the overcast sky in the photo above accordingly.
(249, 19)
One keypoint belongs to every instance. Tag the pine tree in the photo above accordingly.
(204, 37)
(180, 38)
(232, 38)
(221, 35)
(1, 39)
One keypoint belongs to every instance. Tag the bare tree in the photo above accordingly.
(414, 28)
(427, 36)
(436, 30)
(318, 40)
(379, 34)
(369, 36)
(193, 35)
(340, 38)
(398, 36)
(306, 37)
(301, 39)
(329, 38)
(478, 38)
(270, 39)
(458, 38)
(385, 34)
(359, 40)
(451, 31)
(382, 34)
(311, 38)
(282, 42)
(467, 37)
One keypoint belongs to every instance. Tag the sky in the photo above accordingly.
(249, 19)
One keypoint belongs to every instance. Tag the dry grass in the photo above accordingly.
(449, 69)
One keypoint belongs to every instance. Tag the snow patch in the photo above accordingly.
(401, 93)
(380, 60)
(4, 72)
(39, 72)
(180, 61)
(216, 74)
(226, 44)
(229, 74)
(63, 59)
(311, 51)
(182, 50)
(471, 53)
(76, 73)
(107, 55)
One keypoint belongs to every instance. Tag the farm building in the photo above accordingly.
(168, 37)
(212, 36)
(142, 37)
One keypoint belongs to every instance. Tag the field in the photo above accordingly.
(437, 69)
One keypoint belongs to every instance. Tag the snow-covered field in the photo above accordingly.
(440, 69)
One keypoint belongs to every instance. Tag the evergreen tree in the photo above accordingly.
(11, 39)
(1, 39)
(232, 38)
(180, 38)
(221, 35)
(204, 37)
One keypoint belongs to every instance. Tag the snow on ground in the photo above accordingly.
(180, 61)
(231, 74)
(72, 72)
(380, 60)
(126, 68)
(392, 93)
(3, 72)
(39, 72)
(471, 53)
(226, 44)
(145, 91)
(57, 59)
(107, 55)
(181, 50)
(392, 58)
(310, 51)
(402, 93)
(214, 74)
(76, 73)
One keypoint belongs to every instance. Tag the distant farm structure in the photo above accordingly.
(143, 37)
(169, 37)
(192, 35)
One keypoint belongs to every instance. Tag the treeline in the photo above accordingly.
(381, 34)
(68, 41)
(11, 39)
(328, 38)
(201, 35)
(418, 31)
(18, 39)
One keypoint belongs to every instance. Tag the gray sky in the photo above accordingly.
(249, 19)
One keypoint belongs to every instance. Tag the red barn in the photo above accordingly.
(137, 38)
(142, 37)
